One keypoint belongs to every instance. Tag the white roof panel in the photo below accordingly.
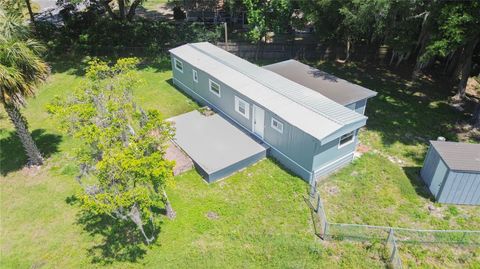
(306, 109)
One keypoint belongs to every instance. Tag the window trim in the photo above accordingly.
(175, 63)
(348, 142)
(195, 75)
(280, 130)
(210, 82)
(239, 100)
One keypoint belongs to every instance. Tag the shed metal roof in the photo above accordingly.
(337, 89)
(302, 107)
(459, 156)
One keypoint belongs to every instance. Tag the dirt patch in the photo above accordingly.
(473, 87)
(332, 190)
(183, 163)
(206, 111)
(363, 148)
(435, 211)
(212, 215)
(465, 132)
(31, 171)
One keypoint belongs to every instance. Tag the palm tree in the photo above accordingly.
(21, 70)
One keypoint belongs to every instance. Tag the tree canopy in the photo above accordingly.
(123, 170)
(21, 71)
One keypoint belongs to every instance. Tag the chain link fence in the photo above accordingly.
(390, 235)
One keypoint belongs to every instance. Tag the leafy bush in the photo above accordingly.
(88, 32)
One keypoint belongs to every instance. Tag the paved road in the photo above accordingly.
(45, 4)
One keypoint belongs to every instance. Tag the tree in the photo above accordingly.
(264, 16)
(30, 11)
(349, 22)
(123, 169)
(21, 70)
(457, 33)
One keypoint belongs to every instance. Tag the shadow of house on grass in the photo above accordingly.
(119, 240)
(12, 154)
(413, 174)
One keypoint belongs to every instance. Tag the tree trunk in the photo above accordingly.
(168, 207)
(476, 116)
(121, 9)
(466, 66)
(135, 216)
(30, 11)
(400, 59)
(420, 46)
(349, 44)
(34, 155)
(132, 10)
(392, 58)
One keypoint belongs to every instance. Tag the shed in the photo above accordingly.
(451, 172)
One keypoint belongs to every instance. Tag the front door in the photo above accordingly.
(258, 121)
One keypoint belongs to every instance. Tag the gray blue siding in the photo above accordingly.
(358, 106)
(450, 186)
(460, 188)
(329, 157)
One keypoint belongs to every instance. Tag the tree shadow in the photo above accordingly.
(413, 174)
(326, 76)
(160, 63)
(12, 154)
(70, 64)
(405, 111)
(182, 91)
(118, 240)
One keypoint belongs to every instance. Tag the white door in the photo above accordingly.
(258, 120)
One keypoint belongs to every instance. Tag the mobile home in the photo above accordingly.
(308, 133)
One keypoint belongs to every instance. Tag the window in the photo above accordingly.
(178, 65)
(346, 139)
(214, 88)
(195, 75)
(277, 125)
(242, 107)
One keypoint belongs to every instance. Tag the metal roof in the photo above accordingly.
(337, 89)
(459, 156)
(299, 106)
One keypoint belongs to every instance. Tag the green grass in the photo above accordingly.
(262, 218)
(383, 187)
(153, 4)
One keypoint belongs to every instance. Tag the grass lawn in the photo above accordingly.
(153, 4)
(383, 187)
(256, 218)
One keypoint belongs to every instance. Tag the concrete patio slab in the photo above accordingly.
(217, 147)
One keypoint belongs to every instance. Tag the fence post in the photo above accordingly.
(325, 230)
(318, 202)
(313, 188)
